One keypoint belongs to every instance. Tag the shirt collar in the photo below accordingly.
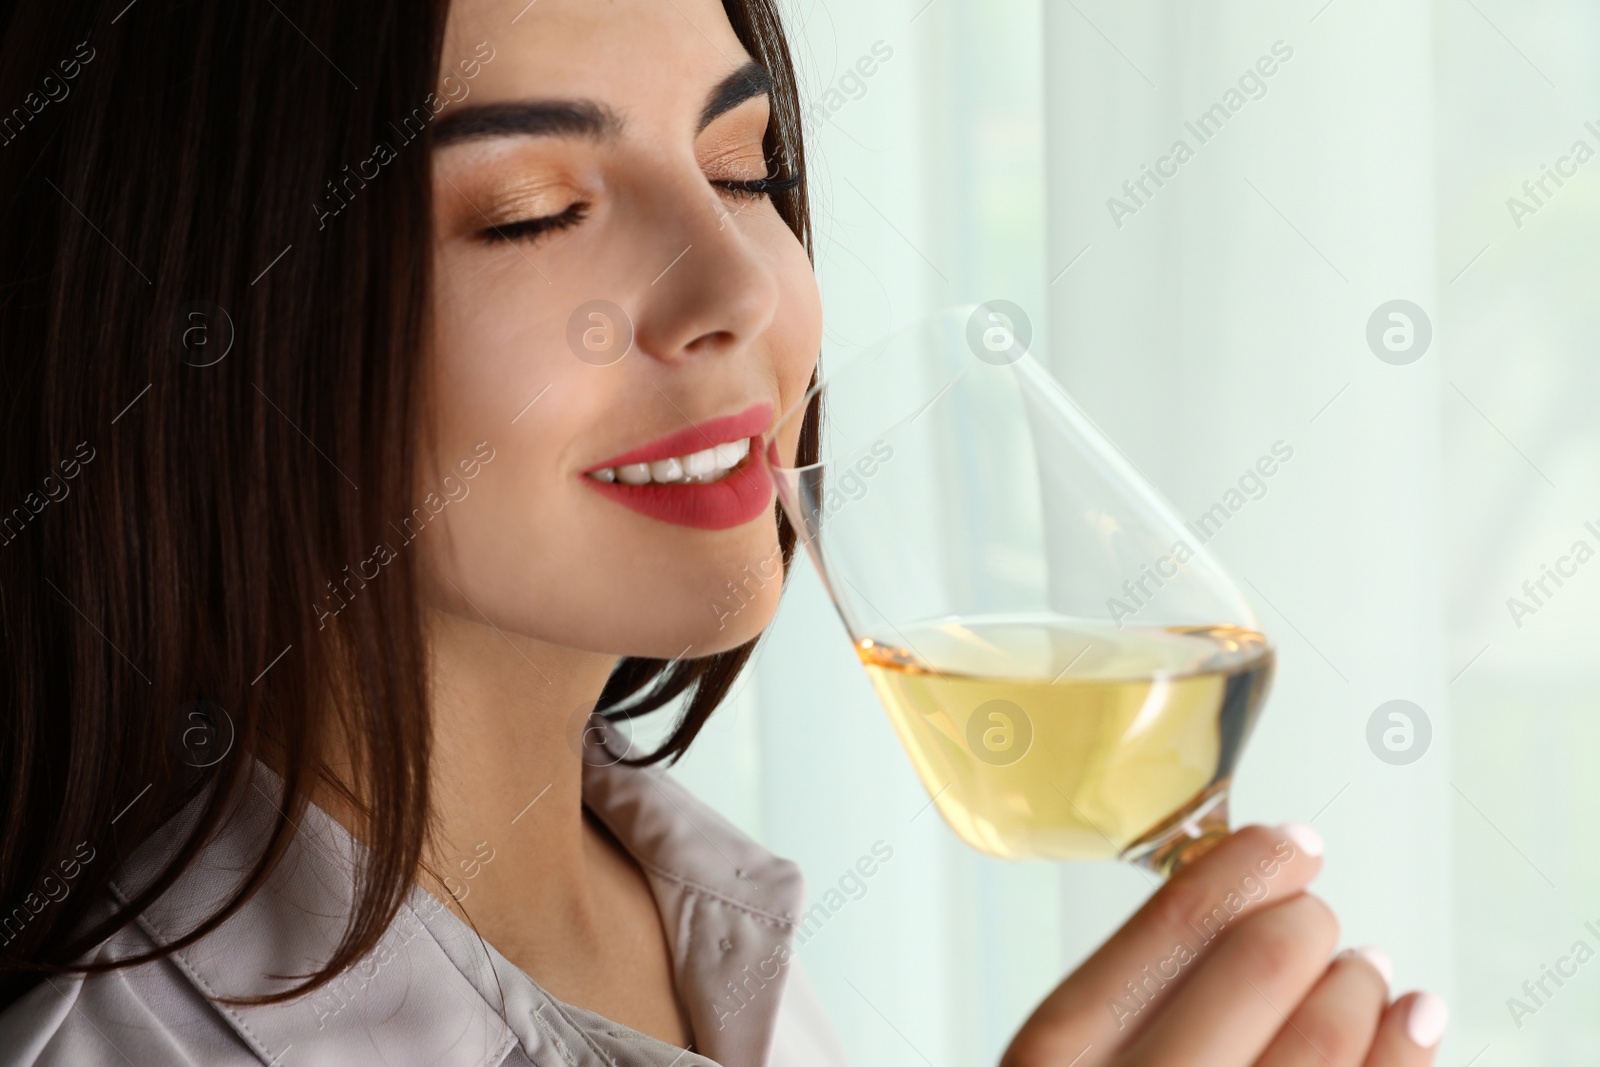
(432, 992)
(728, 906)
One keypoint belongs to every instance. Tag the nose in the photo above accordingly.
(715, 290)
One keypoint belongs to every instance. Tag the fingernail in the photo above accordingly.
(1307, 839)
(1425, 1024)
(1379, 960)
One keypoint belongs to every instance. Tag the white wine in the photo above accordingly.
(1042, 737)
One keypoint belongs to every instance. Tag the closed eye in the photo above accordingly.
(532, 229)
(755, 188)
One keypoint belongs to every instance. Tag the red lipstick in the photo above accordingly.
(739, 496)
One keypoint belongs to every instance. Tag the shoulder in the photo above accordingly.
(147, 1014)
(183, 1008)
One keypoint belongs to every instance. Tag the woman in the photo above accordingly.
(383, 380)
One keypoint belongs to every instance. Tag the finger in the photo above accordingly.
(1334, 1025)
(1410, 1031)
(1240, 996)
(1108, 1000)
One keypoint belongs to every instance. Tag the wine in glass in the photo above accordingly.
(1071, 673)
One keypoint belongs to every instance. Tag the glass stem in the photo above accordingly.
(1186, 836)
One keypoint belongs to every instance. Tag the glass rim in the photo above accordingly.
(881, 344)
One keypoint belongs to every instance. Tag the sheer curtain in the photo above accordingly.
(1331, 267)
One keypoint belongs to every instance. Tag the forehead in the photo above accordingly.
(638, 55)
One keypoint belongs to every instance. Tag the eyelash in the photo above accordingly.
(530, 229)
(759, 187)
(527, 229)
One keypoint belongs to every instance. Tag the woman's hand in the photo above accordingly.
(1227, 965)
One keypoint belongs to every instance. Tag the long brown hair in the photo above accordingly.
(208, 392)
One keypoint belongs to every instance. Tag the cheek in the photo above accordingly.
(493, 351)
(500, 381)
(796, 336)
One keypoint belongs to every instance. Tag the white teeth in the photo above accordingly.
(667, 470)
(707, 465)
(730, 454)
(699, 464)
(634, 474)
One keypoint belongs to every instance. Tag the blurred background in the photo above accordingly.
(965, 150)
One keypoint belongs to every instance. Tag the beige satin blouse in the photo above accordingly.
(432, 994)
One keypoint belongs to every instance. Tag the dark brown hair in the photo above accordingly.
(168, 518)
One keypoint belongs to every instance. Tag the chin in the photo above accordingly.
(711, 640)
(704, 630)
(706, 605)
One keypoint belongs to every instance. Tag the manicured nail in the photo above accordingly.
(1307, 839)
(1425, 1024)
(1379, 960)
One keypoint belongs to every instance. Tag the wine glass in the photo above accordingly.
(1070, 671)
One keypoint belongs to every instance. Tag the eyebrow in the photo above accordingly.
(582, 118)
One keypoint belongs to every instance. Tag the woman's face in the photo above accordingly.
(605, 302)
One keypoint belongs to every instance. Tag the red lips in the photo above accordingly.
(738, 497)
